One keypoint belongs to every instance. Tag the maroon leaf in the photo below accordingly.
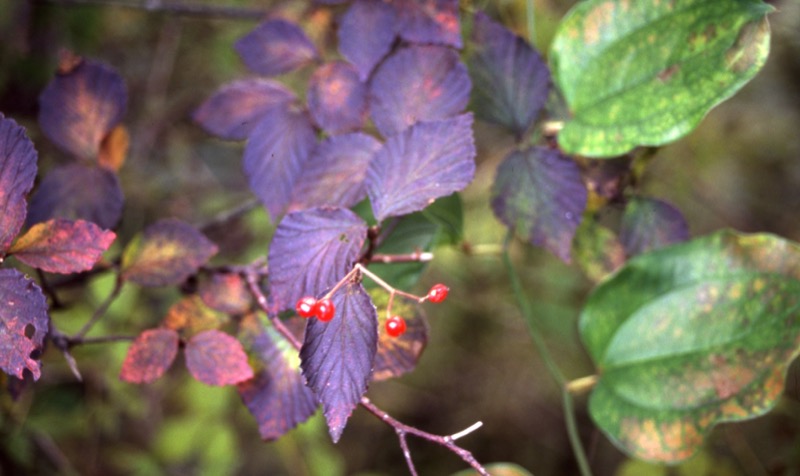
(17, 173)
(78, 108)
(649, 223)
(366, 33)
(277, 396)
(276, 154)
(63, 246)
(427, 161)
(430, 21)
(337, 98)
(311, 251)
(540, 195)
(226, 292)
(166, 252)
(334, 174)
(150, 355)
(398, 355)
(235, 108)
(418, 83)
(275, 47)
(24, 323)
(215, 358)
(337, 356)
(78, 192)
(511, 79)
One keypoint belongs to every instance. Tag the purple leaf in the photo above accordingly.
(24, 323)
(275, 156)
(540, 195)
(418, 83)
(337, 356)
(511, 80)
(430, 21)
(335, 173)
(277, 396)
(427, 161)
(216, 358)
(150, 355)
(275, 47)
(63, 246)
(366, 33)
(235, 108)
(337, 99)
(17, 173)
(311, 251)
(78, 192)
(79, 107)
(649, 223)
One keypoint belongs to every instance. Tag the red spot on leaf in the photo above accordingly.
(63, 246)
(150, 355)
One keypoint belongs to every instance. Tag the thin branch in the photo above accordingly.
(49, 290)
(100, 340)
(226, 216)
(100, 311)
(175, 8)
(417, 256)
(400, 428)
(549, 362)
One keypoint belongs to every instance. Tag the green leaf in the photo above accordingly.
(692, 335)
(646, 72)
(597, 250)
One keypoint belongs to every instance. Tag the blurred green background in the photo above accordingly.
(740, 168)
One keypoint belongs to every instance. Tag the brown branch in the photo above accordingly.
(175, 8)
(400, 428)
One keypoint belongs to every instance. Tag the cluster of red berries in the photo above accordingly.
(309, 307)
(323, 309)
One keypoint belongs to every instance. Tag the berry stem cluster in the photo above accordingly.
(402, 430)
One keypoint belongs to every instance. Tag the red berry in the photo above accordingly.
(305, 306)
(438, 293)
(324, 310)
(395, 326)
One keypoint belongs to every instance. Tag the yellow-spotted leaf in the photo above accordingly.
(165, 253)
(692, 335)
(646, 72)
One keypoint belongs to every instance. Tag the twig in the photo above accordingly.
(227, 215)
(417, 256)
(100, 311)
(400, 428)
(550, 365)
(581, 385)
(177, 8)
(99, 340)
(49, 290)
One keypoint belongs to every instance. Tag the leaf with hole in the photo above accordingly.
(276, 47)
(277, 395)
(63, 246)
(165, 253)
(335, 173)
(337, 356)
(427, 161)
(216, 358)
(81, 106)
(647, 72)
(539, 194)
(149, 356)
(311, 251)
(17, 173)
(78, 192)
(691, 335)
(24, 323)
(276, 155)
(511, 81)
(417, 83)
(235, 108)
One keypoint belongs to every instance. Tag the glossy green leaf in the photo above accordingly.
(692, 335)
(646, 72)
